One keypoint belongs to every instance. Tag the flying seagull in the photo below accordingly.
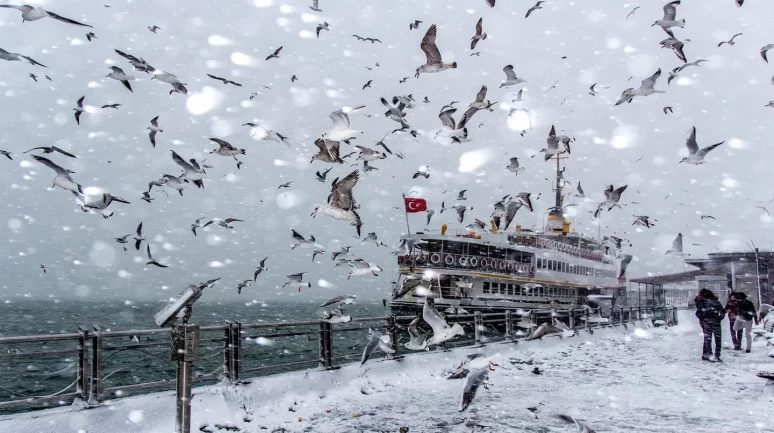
(696, 155)
(91, 36)
(52, 149)
(534, 8)
(646, 88)
(34, 13)
(730, 41)
(63, 178)
(192, 172)
(510, 77)
(225, 81)
(6, 154)
(323, 26)
(315, 6)
(668, 21)
(632, 12)
(226, 223)
(196, 225)
(297, 280)
(434, 62)
(11, 57)
(111, 106)
(98, 206)
(261, 267)
(151, 260)
(154, 129)
(676, 46)
(342, 127)
(479, 36)
(341, 201)
(592, 92)
(34, 77)
(118, 74)
(414, 25)
(513, 167)
(275, 54)
(677, 245)
(154, 28)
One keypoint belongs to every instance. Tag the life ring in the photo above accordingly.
(435, 258)
(493, 264)
(449, 260)
(473, 261)
(463, 261)
(484, 263)
(510, 266)
(503, 265)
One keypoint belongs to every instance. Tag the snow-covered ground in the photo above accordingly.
(640, 380)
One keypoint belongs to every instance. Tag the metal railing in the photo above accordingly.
(468, 263)
(238, 350)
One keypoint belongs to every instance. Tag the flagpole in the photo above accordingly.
(405, 211)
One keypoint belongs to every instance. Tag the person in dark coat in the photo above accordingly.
(746, 314)
(710, 313)
(732, 308)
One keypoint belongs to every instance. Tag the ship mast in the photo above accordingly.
(556, 220)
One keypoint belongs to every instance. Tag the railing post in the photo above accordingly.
(95, 393)
(572, 318)
(237, 352)
(321, 338)
(328, 345)
(82, 385)
(228, 352)
(508, 325)
(477, 325)
(392, 330)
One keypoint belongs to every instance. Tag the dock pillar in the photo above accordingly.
(508, 325)
(478, 325)
(82, 384)
(95, 393)
(321, 338)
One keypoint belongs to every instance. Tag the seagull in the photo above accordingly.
(361, 267)
(372, 238)
(122, 239)
(764, 209)
(342, 127)
(460, 212)
(192, 171)
(708, 217)
(441, 330)
(491, 3)
(676, 46)
(677, 245)
(90, 36)
(341, 253)
(592, 92)
(770, 104)
(79, 109)
(34, 13)
(474, 380)
(376, 341)
(154, 28)
(141, 65)
(48, 78)
(267, 134)
(43, 268)
(304, 243)
(697, 62)
(764, 50)
(525, 200)
(646, 88)
(536, 409)
(430, 214)
(695, 155)
(580, 191)
(293, 79)
(612, 196)
(196, 225)
(730, 41)
(449, 127)
(242, 285)
(323, 26)
(368, 84)
(327, 151)
(669, 109)
(225, 81)
(582, 428)
(226, 149)
(668, 21)
(169, 181)
(111, 106)
(510, 77)
(97, 206)
(315, 6)
(151, 260)
(285, 185)
(434, 62)
(555, 329)
(154, 129)
(297, 280)
(552, 144)
(118, 74)
(414, 25)
(34, 77)
(534, 8)
(461, 195)
(424, 171)
(261, 267)
(643, 220)
(52, 149)
(341, 300)
(63, 178)
(223, 223)
(146, 197)
(479, 36)
(626, 259)
(138, 237)
(322, 176)
(6, 153)
(417, 340)
(477, 54)
(335, 316)
(275, 54)
(632, 12)
(367, 154)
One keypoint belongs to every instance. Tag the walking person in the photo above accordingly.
(732, 308)
(746, 314)
(710, 313)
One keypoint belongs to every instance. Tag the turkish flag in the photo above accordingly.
(415, 204)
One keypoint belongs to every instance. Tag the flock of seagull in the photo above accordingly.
(341, 203)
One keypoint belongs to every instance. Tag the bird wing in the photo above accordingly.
(446, 118)
(296, 277)
(491, 3)
(514, 162)
(155, 121)
(234, 220)
(677, 244)
(466, 117)
(333, 300)
(509, 74)
(703, 152)
(139, 230)
(552, 141)
(181, 162)
(341, 192)
(650, 82)
(670, 10)
(148, 250)
(128, 56)
(63, 152)
(479, 26)
(373, 343)
(618, 191)
(510, 212)
(152, 136)
(429, 47)
(472, 382)
(693, 147)
(433, 317)
(33, 62)
(48, 163)
(223, 144)
(340, 120)
(65, 20)
(481, 94)
(333, 150)
(127, 85)
(297, 236)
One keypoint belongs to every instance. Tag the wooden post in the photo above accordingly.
(95, 394)
(328, 345)
(82, 385)
(321, 338)
(508, 325)
(572, 318)
(392, 330)
(477, 324)
(229, 353)
(237, 352)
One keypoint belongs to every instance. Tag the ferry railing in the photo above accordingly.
(236, 350)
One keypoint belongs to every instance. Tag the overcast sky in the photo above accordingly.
(572, 44)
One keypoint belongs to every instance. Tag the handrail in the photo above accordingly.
(91, 350)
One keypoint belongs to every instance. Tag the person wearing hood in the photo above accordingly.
(746, 314)
(732, 308)
(710, 313)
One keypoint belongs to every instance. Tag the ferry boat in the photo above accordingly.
(493, 270)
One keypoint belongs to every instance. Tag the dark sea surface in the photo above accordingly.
(42, 376)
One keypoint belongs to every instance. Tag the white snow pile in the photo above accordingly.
(643, 379)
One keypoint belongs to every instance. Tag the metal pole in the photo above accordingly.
(183, 419)
(477, 324)
(508, 325)
(758, 278)
(405, 212)
(228, 353)
(321, 337)
(95, 394)
(83, 364)
(237, 353)
(393, 331)
(328, 345)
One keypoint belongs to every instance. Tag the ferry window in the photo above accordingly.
(540, 291)
(486, 286)
(564, 267)
(477, 250)
(510, 289)
(430, 245)
(497, 253)
(495, 288)
(453, 247)
(538, 263)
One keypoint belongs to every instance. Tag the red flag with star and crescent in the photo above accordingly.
(415, 204)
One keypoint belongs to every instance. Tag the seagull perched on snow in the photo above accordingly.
(646, 88)
(119, 75)
(434, 62)
(5, 55)
(510, 77)
(34, 13)
(696, 155)
(668, 21)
